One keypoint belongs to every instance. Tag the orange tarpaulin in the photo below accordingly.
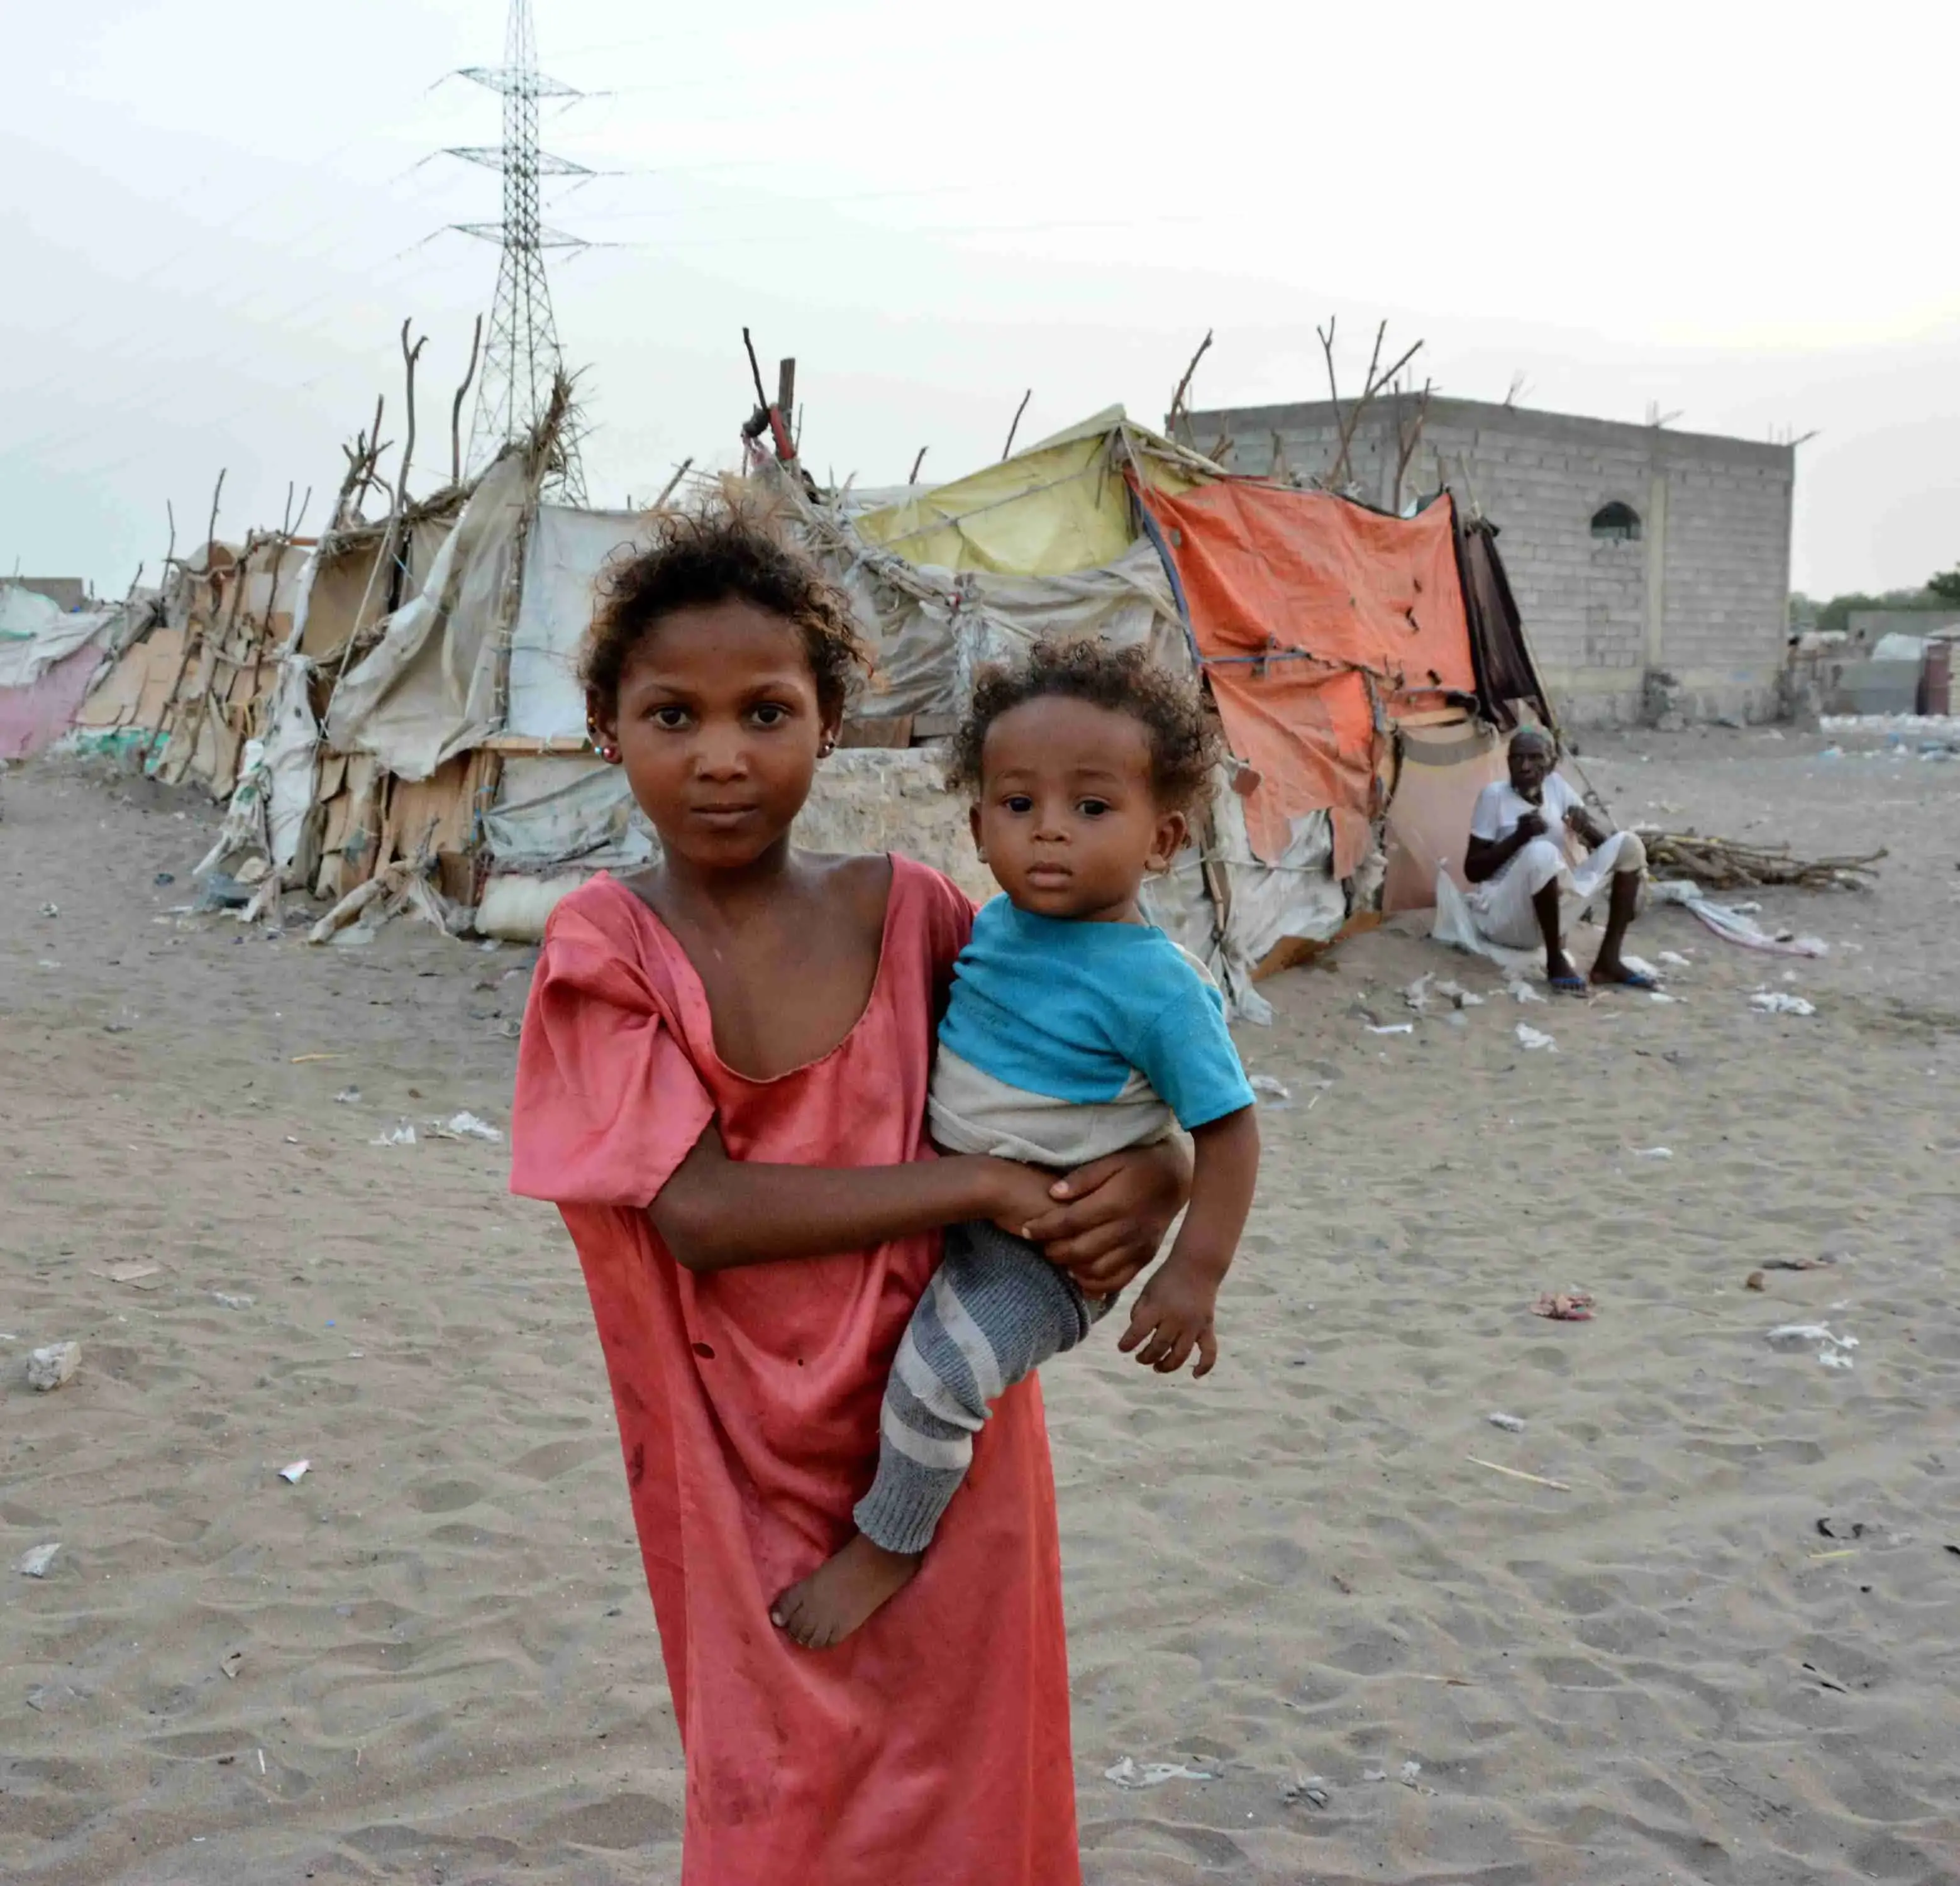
(1352, 611)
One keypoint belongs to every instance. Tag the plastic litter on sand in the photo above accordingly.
(1522, 990)
(1530, 1038)
(1780, 1002)
(1834, 1351)
(1510, 1423)
(34, 1562)
(293, 1474)
(1130, 1773)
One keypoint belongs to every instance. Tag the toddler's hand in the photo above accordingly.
(1175, 1313)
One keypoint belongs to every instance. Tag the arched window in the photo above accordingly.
(1617, 523)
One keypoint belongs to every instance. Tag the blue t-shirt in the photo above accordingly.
(1071, 1009)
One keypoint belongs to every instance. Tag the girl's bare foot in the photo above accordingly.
(825, 1608)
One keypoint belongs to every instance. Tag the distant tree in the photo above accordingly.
(1835, 616)
(1946, 586)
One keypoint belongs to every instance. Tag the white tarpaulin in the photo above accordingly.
(266, 817)
(428, 688)
(555, 811)
(567, 554)
(933, 629)
(36, 634)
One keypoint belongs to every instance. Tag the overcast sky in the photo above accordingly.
(214, 215)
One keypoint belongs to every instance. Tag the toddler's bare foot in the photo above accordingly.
(825, 1608)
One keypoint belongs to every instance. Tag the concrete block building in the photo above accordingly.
(1652, 567)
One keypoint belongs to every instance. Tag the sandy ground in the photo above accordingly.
(1308, 1578)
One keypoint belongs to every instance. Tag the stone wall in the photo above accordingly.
(1698, 600)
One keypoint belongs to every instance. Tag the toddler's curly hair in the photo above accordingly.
(704, 554)
(1185, 744)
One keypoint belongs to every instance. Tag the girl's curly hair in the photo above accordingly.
(1184, 745)
(706, 555)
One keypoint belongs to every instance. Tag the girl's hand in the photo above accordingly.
(1020, 1195)
(1111, 1216)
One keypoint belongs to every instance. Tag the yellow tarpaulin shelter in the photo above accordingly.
(1060, 505)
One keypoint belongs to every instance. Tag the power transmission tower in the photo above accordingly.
(523, 357)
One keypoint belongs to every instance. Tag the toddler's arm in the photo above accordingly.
(1175, 1309)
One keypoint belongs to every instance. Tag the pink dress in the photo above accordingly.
(932, 1746)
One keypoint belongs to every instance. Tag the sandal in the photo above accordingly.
(1573, 985)
(1628, 979)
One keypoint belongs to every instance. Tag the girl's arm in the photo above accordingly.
(716, 1214)
(1110, 1216)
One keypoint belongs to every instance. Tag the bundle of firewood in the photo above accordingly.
(1727, 864)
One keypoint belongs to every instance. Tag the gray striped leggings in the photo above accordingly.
(995, 1310)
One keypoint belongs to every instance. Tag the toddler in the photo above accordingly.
(1074, 1030)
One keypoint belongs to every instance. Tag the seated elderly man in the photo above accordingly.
(1522, 876)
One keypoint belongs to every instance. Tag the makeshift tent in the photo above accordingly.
(48, 658)
(1325, 629)
(187, 694)
(400, 714)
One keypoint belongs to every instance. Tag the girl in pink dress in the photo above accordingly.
(722, 1085)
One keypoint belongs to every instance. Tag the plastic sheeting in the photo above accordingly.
(1317, 619)
(428, 689)
(933, 629)
(1060, 506)
(564, 561)
(1443, 769)
(266, 817)
(549, 812)
(36, 634)
(39, 713)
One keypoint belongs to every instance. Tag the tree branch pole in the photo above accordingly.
(456, 409)
(917, 462)
(211, 530)
(1409, 441)
(667, 490)
(1006, 449)
(1333, 380)
(1181, 393)
(384, 555)
(409, 356)
(1341, 468)
(755, 373)
(375, 449)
